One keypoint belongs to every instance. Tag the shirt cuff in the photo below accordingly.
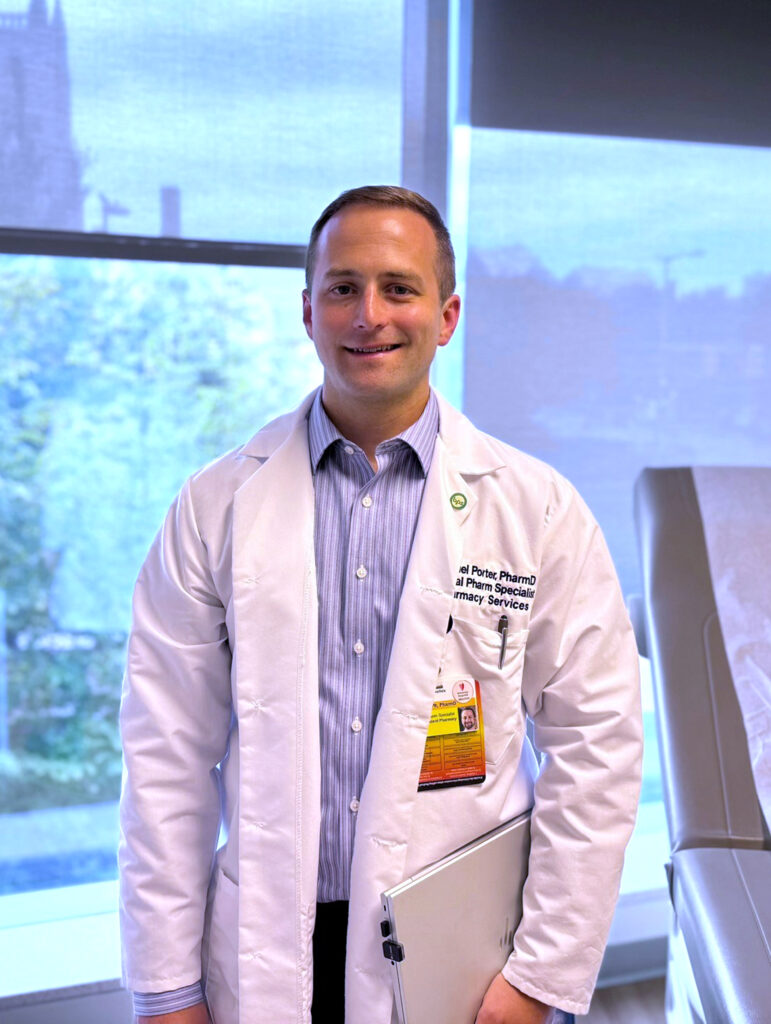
(152, 1004)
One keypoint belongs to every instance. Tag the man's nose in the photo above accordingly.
(370, 312)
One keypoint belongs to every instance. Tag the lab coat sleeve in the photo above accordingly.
(581, 688)
(175, 720)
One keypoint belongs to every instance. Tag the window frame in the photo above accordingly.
(81, 244)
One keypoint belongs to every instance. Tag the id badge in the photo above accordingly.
(455, 744)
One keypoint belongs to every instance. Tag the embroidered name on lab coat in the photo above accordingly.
(495, 587)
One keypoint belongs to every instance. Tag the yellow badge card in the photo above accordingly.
(455, 745)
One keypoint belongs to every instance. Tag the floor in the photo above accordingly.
(640, 1003)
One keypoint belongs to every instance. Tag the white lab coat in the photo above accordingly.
(222, 671)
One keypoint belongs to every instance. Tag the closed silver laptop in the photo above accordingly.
(449, 928)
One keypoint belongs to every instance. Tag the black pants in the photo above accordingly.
(329, 937)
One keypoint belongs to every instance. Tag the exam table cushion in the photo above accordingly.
(722, 899)
(709, 789)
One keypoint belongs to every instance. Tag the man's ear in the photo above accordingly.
(450, 317)
(307, 313)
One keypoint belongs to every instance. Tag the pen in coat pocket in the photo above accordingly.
(503, 629)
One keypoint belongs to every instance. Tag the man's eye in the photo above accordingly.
(342, 289)
(401, 289)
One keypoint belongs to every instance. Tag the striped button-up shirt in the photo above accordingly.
(365, 522)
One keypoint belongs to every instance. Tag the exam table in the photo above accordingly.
(719, 960)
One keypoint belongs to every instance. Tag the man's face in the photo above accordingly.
(468, 718)
(374, 311)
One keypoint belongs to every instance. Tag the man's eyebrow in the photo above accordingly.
(389, 275)
(340, 272)
(402, 275)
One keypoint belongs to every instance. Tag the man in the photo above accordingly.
(290, 626)
(468, 719)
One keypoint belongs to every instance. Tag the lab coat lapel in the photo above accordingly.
(388, 800)
(276, 697)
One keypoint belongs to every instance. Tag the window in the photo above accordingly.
(189, 118)
(184, 120)
(616, 295)
(119, 379)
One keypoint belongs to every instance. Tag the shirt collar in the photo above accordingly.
(420, 436)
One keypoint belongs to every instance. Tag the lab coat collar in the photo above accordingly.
(273, 434)
(470, 453)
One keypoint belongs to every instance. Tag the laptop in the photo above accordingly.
(450, 928)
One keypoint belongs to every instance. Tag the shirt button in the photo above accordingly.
(356, 724)
(361, 572)
(358, 647)
(348, 450)
(354, 805)
(367, 501)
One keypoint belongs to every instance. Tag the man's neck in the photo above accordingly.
(367, 425)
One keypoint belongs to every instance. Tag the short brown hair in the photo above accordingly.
(390, 195)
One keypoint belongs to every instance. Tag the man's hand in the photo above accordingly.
(197, 1014)
(504, 1004)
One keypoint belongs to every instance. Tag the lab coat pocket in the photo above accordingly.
(221, 975)
(474, 649)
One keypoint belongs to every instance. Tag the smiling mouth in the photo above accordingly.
(372, 350)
